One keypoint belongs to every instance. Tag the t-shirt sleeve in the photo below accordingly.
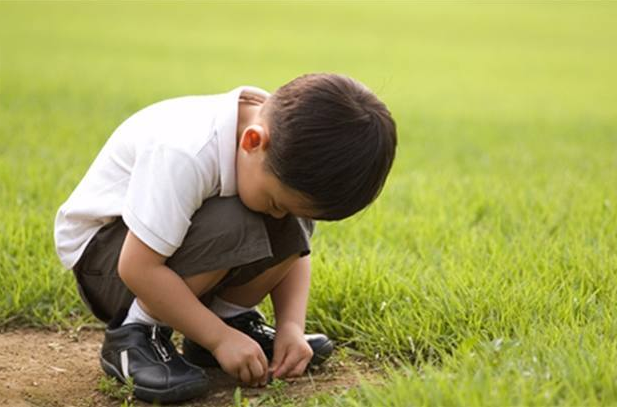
(165, 189)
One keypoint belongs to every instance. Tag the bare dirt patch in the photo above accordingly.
(43, 368)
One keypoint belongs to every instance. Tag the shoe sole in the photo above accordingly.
(181, 392)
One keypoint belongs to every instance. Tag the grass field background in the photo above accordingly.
(488, 267)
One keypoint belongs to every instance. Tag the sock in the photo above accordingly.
(226, 309)
(136, 314)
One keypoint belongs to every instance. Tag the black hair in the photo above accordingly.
(332, 140)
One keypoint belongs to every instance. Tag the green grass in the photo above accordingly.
(488, 267)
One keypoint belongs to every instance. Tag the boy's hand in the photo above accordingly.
(242, 357)
(292, 352)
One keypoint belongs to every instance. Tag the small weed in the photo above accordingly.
(238, 400)
(110, 387)
(275, 395)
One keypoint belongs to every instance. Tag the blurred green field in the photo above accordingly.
(487, 268)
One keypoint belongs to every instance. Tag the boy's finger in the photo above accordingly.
(257, 372)
(299, 369)
(245, 374)
(264, 366)
(277, 359)
(288, 364)
(263, 361)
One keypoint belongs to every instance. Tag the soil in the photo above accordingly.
(43, 368)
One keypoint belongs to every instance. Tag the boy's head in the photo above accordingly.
(330, 142)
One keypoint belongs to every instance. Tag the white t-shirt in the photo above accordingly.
(155, 171)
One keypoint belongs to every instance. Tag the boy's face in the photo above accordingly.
(258, 188)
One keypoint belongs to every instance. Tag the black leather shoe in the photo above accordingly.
(253, 324)
(146, 354)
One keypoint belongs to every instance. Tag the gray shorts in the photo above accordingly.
(224, 235)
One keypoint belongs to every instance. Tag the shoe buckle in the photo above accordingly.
(158, 347)
(259, 325)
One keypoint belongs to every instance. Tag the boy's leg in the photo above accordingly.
(252, 293)
(199, 284)
(248, 285)
(250, 321)
(223, 234)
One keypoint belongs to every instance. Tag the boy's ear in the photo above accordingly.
(254, 137)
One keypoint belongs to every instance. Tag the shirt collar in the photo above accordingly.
(226, 127)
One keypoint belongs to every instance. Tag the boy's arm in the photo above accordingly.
(169, 298)
(289, 298)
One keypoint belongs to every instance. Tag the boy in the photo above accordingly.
(199, 207)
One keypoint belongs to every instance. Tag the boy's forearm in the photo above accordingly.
(290, 296)
(168, 297)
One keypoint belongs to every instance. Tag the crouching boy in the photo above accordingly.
(199, 207)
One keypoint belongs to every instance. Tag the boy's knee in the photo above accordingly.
(223, 234)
